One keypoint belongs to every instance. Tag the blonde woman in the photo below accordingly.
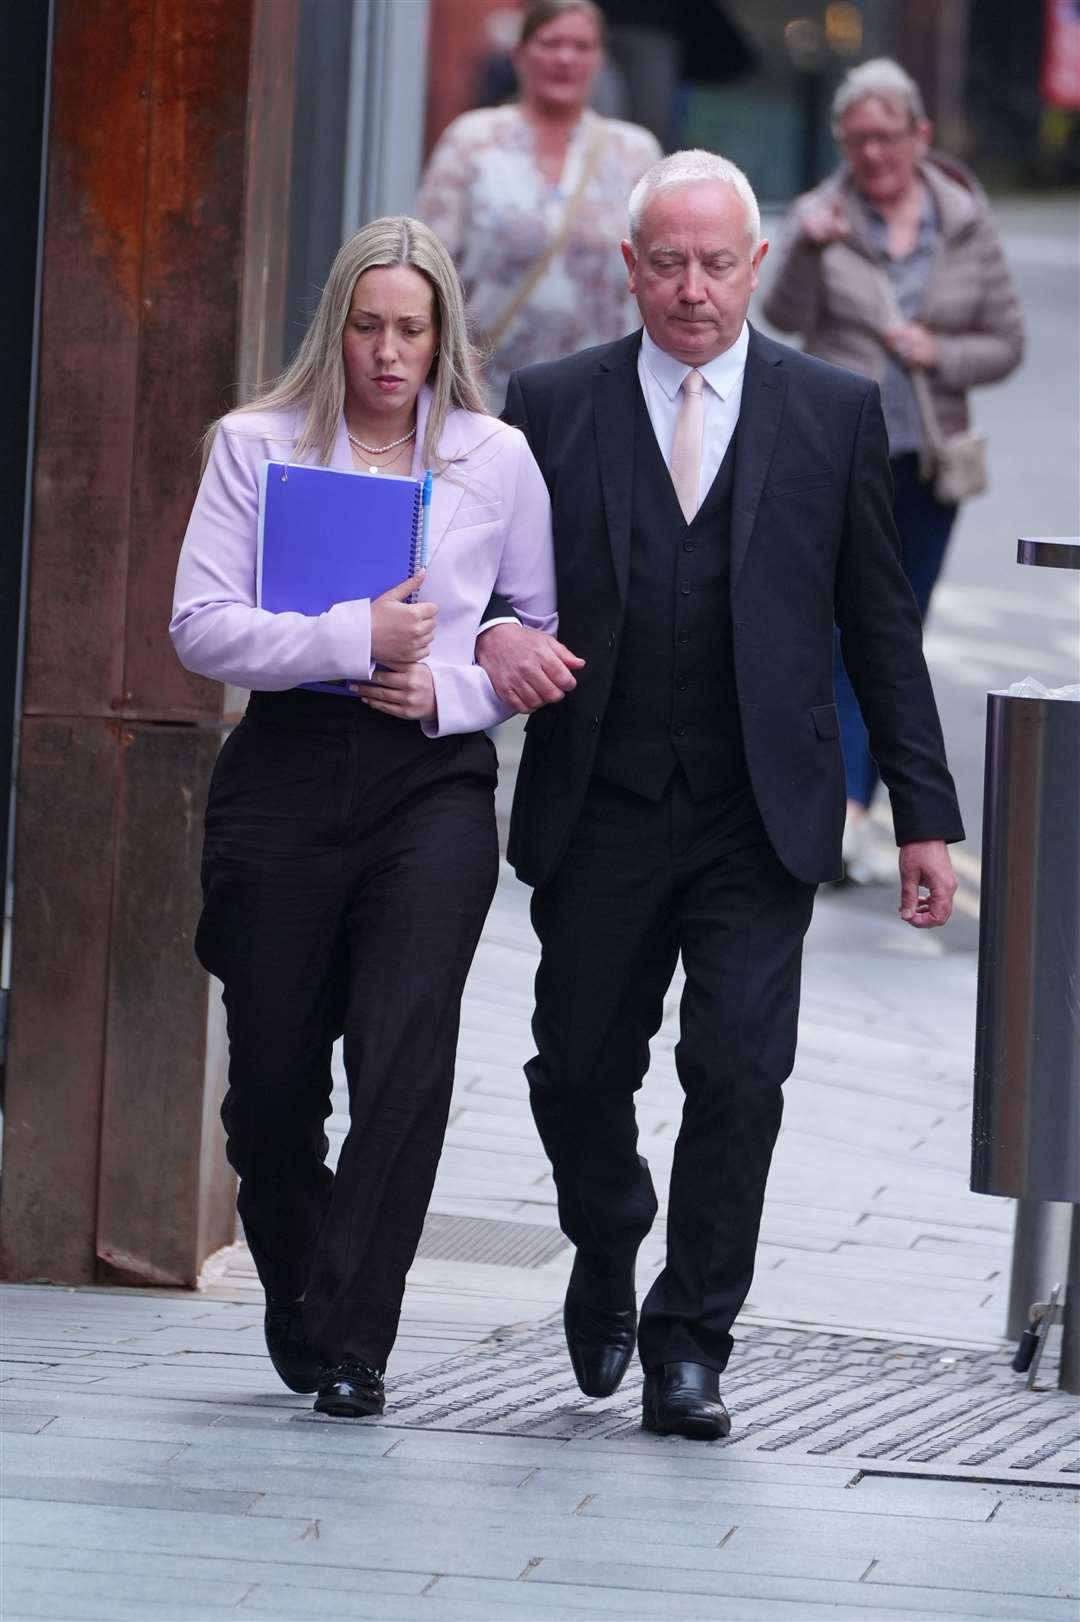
(350, 851)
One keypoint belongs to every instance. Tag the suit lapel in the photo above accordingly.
(614, 402)
(760, 411)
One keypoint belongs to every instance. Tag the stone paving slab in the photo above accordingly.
(739, 1588)
(222, 1497)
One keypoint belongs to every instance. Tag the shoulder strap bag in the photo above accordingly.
(954, 463)
(539, 268)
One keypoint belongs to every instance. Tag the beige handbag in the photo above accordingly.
(954, 463)
(538, 269)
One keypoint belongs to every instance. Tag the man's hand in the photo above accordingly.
(406, 692)
(526, 668)
(926, 865)
(913, 344)
(401, 632)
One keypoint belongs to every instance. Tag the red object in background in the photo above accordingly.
(1060, 81)
(457, 44)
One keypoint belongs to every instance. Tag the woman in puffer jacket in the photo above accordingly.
(892, 266)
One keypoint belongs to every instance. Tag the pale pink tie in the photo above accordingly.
(686, 446)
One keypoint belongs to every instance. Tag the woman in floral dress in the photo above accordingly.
(506, 185)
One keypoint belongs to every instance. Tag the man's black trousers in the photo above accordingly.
(349, 864)
(641, 882)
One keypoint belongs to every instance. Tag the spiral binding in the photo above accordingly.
(416, 540)
(417, 530)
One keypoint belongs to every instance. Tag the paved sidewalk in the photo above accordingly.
(153, 1469)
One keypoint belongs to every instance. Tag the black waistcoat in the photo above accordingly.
(673, 700)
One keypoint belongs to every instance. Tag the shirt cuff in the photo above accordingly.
(501, 619)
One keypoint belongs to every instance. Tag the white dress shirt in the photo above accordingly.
(661, 377)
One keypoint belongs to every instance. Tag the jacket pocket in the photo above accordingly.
(466, 517)
(799, 485)
(826, 721)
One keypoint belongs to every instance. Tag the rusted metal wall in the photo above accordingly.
(163, 275)
(60, 966)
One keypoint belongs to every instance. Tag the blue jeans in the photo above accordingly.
(924, 525)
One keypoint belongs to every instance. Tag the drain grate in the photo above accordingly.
(916, 1409)
(488, 1241)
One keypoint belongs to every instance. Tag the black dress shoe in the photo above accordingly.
(352, 1391)
(600, 1336)
(683, 1399)
(293, 1356)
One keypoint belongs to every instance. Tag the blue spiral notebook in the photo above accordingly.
(327, 536)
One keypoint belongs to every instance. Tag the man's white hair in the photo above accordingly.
(684, 168)
(883, 79)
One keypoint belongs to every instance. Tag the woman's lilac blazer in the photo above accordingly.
(489, 530)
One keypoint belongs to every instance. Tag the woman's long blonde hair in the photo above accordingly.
(316, 376)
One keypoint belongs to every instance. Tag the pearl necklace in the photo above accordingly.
(379, 450)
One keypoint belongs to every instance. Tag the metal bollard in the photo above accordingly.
(1040, 1256)
(1069, 1379)
(1026, 1126)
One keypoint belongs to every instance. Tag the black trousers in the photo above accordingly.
(641, 882)
(349, 863)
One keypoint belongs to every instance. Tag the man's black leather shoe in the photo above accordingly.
(352, 1391)
(291, 1353)
(683, 1399)
(600, 1337)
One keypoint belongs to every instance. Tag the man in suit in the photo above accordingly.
(719, 501)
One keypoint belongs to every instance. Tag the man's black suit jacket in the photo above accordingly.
(812, 542)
